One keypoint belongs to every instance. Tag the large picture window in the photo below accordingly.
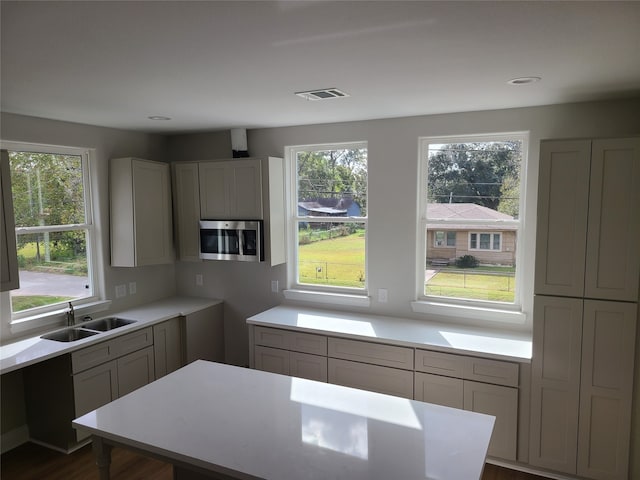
(329, 206)
(471, 219)
(54, 229)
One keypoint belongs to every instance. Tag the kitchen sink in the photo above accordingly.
(69, 335)
(106, 324)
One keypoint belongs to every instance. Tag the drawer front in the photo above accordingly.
(371, 377)
(440, 363)
(374, 353)
(491, 371)
(307, 343)
(271, 360)
(303, 365)
(270, 337)
(133, 341)
(92, 356)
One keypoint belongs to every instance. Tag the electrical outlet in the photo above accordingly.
(133, 288)
(121, 291)
(274, 286)
(199, 281)
(382, 295)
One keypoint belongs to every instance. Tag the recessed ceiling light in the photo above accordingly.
(322, 94)
(158, 117)
(523, 80)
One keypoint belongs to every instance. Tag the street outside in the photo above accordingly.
(55, 284)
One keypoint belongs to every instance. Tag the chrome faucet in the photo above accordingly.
(71, 316)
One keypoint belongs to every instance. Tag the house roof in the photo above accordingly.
(470, 217)
(331, 206)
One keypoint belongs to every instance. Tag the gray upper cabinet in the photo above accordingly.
(9, 260)
(141, 226)
(588, 223)
(239, 189)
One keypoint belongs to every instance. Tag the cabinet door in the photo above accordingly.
(135, 370)
(606, 389)
(186, 205)
(563, 194)
(152, 204)
(439, 390)
(272, 360)
(9, 259)
(303, 365)
(167, 347)
(555, 382)
(92, 389)
(215, 191)
(613, 256)
(204, 335)
(246, 190)
(371, 377)
(502, 403)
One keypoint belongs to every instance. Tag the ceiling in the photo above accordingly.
(212, 65)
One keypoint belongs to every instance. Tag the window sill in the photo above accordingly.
(328, 298)
(56, 316)
(514, 317)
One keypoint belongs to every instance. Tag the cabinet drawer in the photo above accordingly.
(270, 337)
(371, 377)
(374, 353)
(133, 341)
(92, 356)
(272, 360)
(288, 340)
(491, 371)
(304, 365)
(440, 363)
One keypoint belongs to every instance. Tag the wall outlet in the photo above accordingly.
(199, 280)
(382, 295)
(274, 286)
(121, 291)
(133, 288)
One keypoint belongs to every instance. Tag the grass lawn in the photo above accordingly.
(477, 286)
(337, 262)
(25, 302)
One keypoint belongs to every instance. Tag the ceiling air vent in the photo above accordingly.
(322, 94)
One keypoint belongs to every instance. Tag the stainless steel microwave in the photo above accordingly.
(231, 240)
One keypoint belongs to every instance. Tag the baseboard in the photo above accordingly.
(14, 438)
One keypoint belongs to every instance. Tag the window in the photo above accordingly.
(470, 186)
(54, 230)
(329, 217)
(488, 241)
(444, 239)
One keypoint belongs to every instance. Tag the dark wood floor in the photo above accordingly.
(32, 462)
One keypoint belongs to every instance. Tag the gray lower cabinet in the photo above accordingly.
(470, 383)
(167, 346)
(66, 387)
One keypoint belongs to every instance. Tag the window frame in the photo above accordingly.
(492, 236)
(351, 296)
(49, 314)
(470, 310)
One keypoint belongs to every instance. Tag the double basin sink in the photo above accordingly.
(88, 329)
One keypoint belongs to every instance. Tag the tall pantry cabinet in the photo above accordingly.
(586, 306)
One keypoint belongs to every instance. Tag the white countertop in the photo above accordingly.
(240, 421)
(451, 338)
(36, 349)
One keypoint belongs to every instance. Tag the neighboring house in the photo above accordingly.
(343, 206)
(490, 243)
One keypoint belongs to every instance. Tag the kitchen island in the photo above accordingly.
(232, 422)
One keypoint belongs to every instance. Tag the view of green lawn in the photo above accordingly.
(336, 262)
(340, 262)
